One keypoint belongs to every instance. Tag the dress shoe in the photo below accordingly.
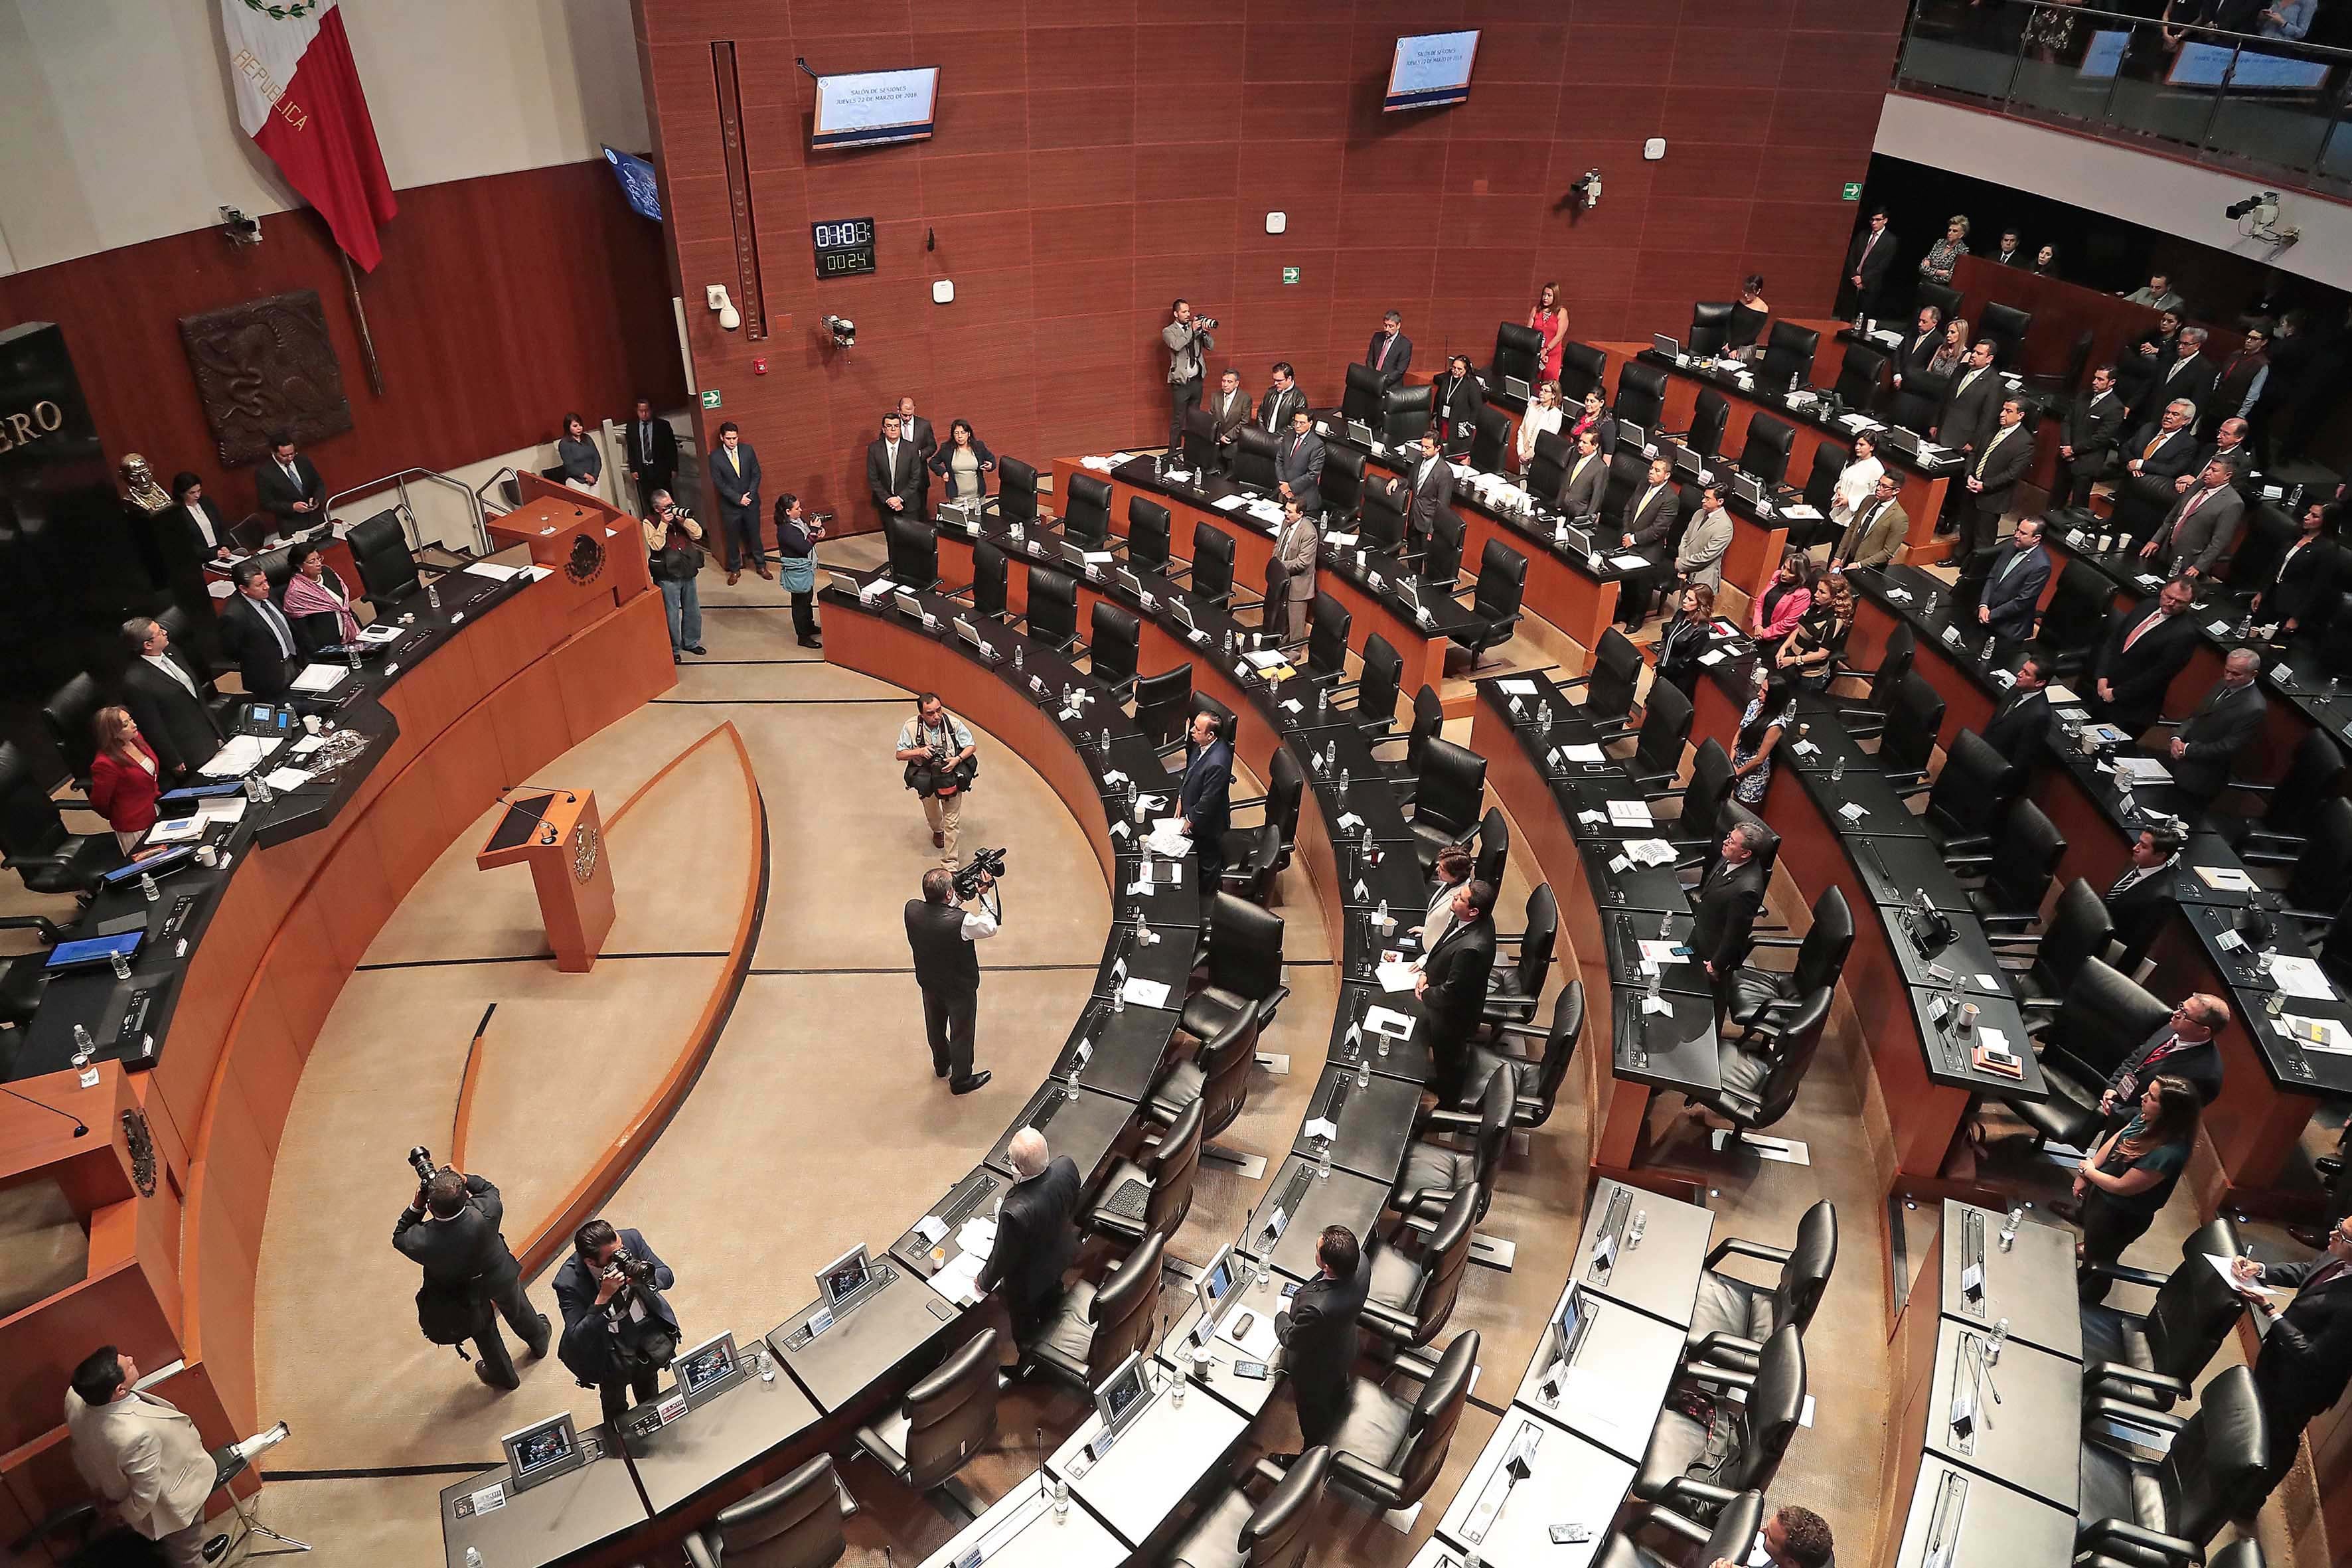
(676, 657)
(698, 647)
(761, 568)
(546, 1337)
(216, 1549)
(2328, 1164)
(939, 840)
(484, 1374)
(811, 642)
(733, 577)
(966, 1085)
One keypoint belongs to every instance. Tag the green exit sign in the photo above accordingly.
(1852, 191)
(1290, 275)
(711, 400)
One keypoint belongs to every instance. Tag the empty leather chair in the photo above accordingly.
(1862, 376)
(1789, 352)
(1493, 846)
(1342, 486)
(1151, 1195)
(1760, 1075)
(1359, 393)
(1518, 355)
(1255, 856)
(1243, 977)
(914, 552)
(387, 567)
(1761, 998)
(1441, 554)
(2103, 1018)
(944, 1419)
(1095, 1329)
(2074, 621)
(1405, 413)
(1535, 1085)
(992, 576)
(792, 1523)
(2217, 1469)
(34, 842)
(1514, 989)
(1664, 729)
(1736, 1524)
(1830, 459)
(1489, 441)
(1253, 460)
(1582, 368)
(1328, 624)
(1117, 643)
(1416, 1280)
(1148, 538)
(1379, 678)
(2322, 875)
(1943, 296)
(1885, 680)
(1388, 1448)
(1016, 491)
(2080, 928)
(1448, 800)
(1732, 1319)
(1971, 795)
(1381, 523)
(1641, 394)
(1737, 1456)
(276, 569)
(1495, 600)
(1710, 414)
(71, 715)
(1054, 609)
(2006, 325)
(1216, 1077)
(1212, 565)
(1085, 512)
(1235, 1531)
(1616, 677)
(1764, 456)
(1710, 327)
(2314, 776)
(1702, 794)
(1909, 737)
(1163, 704)
(1434, 1172)
(2016, 871)
(1428, 719)
(2153, 1360)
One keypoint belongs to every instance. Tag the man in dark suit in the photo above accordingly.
(917, 430)
(940, 932)
(452, 1232)
(893, 473)
(2003, 454)
(2306, 1357)
(1453, 985)
(1868, 260)
(1726, 901)
(2020, 727)
(1204, 800)
(2229, 444)
(2011, 251)
(1298, 463)
(1229, 410)
(1919, 350)
(1036, 1235)
(2210, 739)
(1456, 398)
(2157, 463)
(1390, 353)
(165, 695)
(2142, 897)
(1971, 409)
(2012, 598)
(2144, 650)
(2202, 528)
(1648, 531)
(1318, 1334)
(649, 451)
(610, 1293)
(735, 475)
(286, 486)
(2139, 362)
(2303, 585)
(2087, 438)
(1588, 479)
(257, 635)
(1281, 401)
(2189, 373)
(1431, 484)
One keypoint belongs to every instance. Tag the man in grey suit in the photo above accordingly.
(2210, 739)
(1431, 481)
(1188, 342)
(1391, 353)
(2203, 526)
(1295, 546)
(1878, 531)
(1588, 479)
(1298, 463)
(1229, 410)
(1699, 558)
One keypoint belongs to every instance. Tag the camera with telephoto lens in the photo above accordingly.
(1203, 323)
(420, 1159)
(627, 1266)
(983, 863)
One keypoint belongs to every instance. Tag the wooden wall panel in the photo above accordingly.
(1094, 161)
(502, 304)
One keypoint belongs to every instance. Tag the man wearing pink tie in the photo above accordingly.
(1391, 353)
(1867, 263)
(2147, 648)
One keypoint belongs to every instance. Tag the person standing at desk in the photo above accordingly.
(1319, 1335)
(451, 1231)
(1857, 482)
(1298, 463)
(1587, 483)
(1649, 523)
(142, 1455)
(317, 603)
(1700, 557)
(649, 450)
(164, 695)
(1724, 904)
(1453, 867)
(2129, 1175)
(1550, 318)
(207, 529)
(1972, 408)
(796, 537)
(2142, 654)
(1595, 417)
(2159, 459)
(1543, 417)
(2305, 579)
(2019, 726)
(257, 635)
(1282, 399)
(1188, 342)
(619, 1331)
(1867, 263)
(917, 430)
(2203, 527)
(288, 486)
(1452, 988)
(1204, 800)
(940, 932)
(735, 475)
(940, 763)
(2210, 739)
(2182, 1047)
(1877, 531)
(1917, 355)
(894, 473)
(2086, 439)
(2157, 295)
(2306, 1357)
(1944, 257)
(1036, 1235)
(1431, 485)
(124, 777)
(1229, 410)
(1390, 351)
(965, 462)
(2142, 895)
(2010, 599)
(1457, 396)
(1296, 547)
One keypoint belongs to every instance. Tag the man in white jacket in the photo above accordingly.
(142, 1454)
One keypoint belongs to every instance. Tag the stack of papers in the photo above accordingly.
(2319, 1034)
(284, 779)
(221, 808)
(239, 757)
(491, 569)
(1387, 1021)
(2143, 770)
(1630, 813)
(1231, 503)
(2228, 877)
(2302, 977)
(1145, 992)
(1397, 976)
(319, 678)
(178, 830)
(1649, 851)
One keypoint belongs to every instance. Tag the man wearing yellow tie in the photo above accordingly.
(2000, 462)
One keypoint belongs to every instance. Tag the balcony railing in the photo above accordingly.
(2249, 102)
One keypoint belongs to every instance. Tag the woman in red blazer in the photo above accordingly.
(122, 777)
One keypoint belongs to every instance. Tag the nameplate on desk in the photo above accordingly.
(483, 1502)
(1604, 1251)
(1972, 1281)
(817, 1325)
(971, 1558)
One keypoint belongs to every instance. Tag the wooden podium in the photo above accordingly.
(559, 834)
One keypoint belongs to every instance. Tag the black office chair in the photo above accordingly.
(1016, 491)
(1884, 680)
(1535, 1085)
(1736, 1525)
(1328, 624)
(944, 1419)
(1389, 1448)
(71, 716)
(1212, 565)
(1493, 846)
(1434, 1172)
(1862, 376)
(1342, 488)
(1709, 415)
(1701, 796)
(1163, 704)
(1917, 402)
(792, 1524)
(276, 569)
(1495, 601)
(2079, 927)
(1381, 523)
(1228, 725)
(2074, 621)
(1359, 393)
(2102, 1019)
(1710, 328)
(991, 575)
(2016, 869)
(1736, 1450)
(1641, 394)
(1151, 1195)
(2314, 776)
(1547, 474)
(1236, 1530)
(22, 976)
(1513, 990)
(1255, 856)
(1732, 1319)
(1448, 799)
(2217, 1469)
(1490, 441)
(1199, 441)
(1378, 677)
(1085, 512)
(2155, 1359)
(1118, 643)
(34, 842)
(1583, 369)
(1254, 460)
(1910, 735)
(1428, 719)
(1094, 1329)
(1762, 998)
(1611, 685)
(1405, 413)
(2321, 879)
(1054, 610)
(1764, 456)
(198, 637)
(1970, 796)
(1665, 728)
(1416, 1280)
(1789, 353)
(1830, 459)
(387, 567)
(1518, 355)
(1148, 538)
(913, 548)
(1441, 554)
(2006, 325)
(1943, 296)
(1216, 1078)
(1244, 974)
(1761, 1074)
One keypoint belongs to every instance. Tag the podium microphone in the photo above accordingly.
(81, 1128)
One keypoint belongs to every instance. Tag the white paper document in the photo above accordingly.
(1321, 1127)
(2222, 1266)
(1516, 687)
(1145, 992)
(1650, 851)
(240, 756)
(2331, 1035)
(1388, 1021)
(221, 808)
(317, 677)
(1629, 563)
(2302, 977)
(1398, 976)
(284, 779)
(492, 570)
(177, 830)
(1630, 813)
(2143, 770)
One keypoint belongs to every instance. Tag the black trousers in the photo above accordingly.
(2074, 482)
(2108, 1227)
(1182, 396)
(949, 1017)
(532, 1327)
(744, 549)
(619, 1390)
(804, 615)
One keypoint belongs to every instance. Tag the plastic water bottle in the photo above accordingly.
(84, 1046)
(1382, 914)
(147, 889)
(1061, 1499)
(253, 788)
(1837, 769)
(1666, 926)
(767, 1363)
(1229, 642)
(351, 653)
(1343, 787)
(1368, 845)
(433, 601)
(1330, 756)
(121, 965)
(2015, 1219)
(1992, 1346)
(1987, 649)
(1119, 1000)
(473, 1557)
(1322, 701)
(1323, 1160)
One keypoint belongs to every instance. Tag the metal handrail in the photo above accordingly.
(399, 482)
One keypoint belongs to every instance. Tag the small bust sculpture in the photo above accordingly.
(140, 483)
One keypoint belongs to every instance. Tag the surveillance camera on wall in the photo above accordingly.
(2257, 219)
(1587, 188)
(844, 331)
(730, 318)
(239, 228)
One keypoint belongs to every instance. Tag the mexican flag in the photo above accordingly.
(299, 96)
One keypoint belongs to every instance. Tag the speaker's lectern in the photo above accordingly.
(558, 832)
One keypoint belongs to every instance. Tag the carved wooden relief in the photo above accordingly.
(265, 365)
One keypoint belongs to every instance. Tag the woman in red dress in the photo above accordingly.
(1550, 318)
(122, 777)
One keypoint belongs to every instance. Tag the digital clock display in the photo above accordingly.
(843, 247)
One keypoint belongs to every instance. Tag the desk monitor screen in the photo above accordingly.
(1212, 1285)
(1568, 1326)
(157, 866)
(1664, 344)
(1120, 1396)
(706, 1364)
(1631, 435)
(1747, 489)
(1431, 70)
(96, 949)
(542, 1451)
(842, 1278)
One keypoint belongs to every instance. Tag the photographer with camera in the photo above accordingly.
(941, 763)
(451, 1231)
(1188, 340)
(618, 1329)
(955, 910)
(796, 536)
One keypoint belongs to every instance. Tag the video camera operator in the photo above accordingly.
(451, 1230)
(618, 1329)
(956, 909)
(1188, 340)
(941, 762)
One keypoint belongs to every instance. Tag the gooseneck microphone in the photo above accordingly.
(81, 1128)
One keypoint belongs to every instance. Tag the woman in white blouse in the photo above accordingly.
(1543, 414)
(1856, 481)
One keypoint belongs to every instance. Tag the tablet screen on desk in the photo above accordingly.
(706, 1364)
(171, 859)
(841, 1279)
(1121, 1392)
(96, 949)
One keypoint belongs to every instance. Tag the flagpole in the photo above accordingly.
(359, 319)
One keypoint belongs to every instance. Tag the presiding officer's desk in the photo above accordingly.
(556, 1520)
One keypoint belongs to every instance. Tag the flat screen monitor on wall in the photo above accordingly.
(1432, 70)
(868, 109)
